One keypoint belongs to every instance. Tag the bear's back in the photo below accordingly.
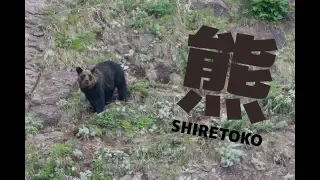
(112, 72)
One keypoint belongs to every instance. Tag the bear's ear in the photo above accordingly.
(93, 69)
(79, 70)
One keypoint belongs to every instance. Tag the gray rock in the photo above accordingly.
(219, 7)
(257, 161)
(122, 48)
(52, 86)
(126, 177)
(145, 40)
(279, 36)
(137, 176)
(163, 73)
(32, 73)
(49, 114)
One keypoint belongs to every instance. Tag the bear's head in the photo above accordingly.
(86, 78)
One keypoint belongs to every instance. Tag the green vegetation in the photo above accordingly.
(270, 10)
(74, 105)
(140, 88)
(58, 163)
(109, 163)
(32, 124)
(159, 9)
(79, 43)
(229, 154)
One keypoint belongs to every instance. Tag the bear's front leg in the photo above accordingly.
(93, 103)
(100, 102)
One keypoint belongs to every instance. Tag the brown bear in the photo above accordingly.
(99, 83)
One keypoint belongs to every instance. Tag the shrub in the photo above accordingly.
(276, 103)
(160, 8)
(269, 10)
(139, 19)
(229, 154)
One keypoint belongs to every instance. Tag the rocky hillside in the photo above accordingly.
(133, 140)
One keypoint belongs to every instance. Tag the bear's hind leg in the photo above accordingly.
(108, 96)
(122, 91)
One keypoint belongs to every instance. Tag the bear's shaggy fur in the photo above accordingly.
(99, 83)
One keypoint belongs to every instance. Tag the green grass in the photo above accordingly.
(111, 118)
(32, 159)
(161, 8)
(58, 163)
(140, 19)
(128, 120)
(32, 124)
(166, 148)
(90, 2)
(108, 164)
(234, 124)
(75, 105)
(140, 88)
(182, 58)
(264, 126)
(277, 103)
(79, 43)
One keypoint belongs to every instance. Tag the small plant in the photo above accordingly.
(77, 153)
(73, 17)
(234, 124)
(98, 132)
(74, 105)
(280, 125)
(229, 154)
(182, 58)
(276, 103)
(164, 110)
(160, 86)
(269, 10)
(145, 58)
(287, 52)
(32, 124)
(62, 41)
(129, 5)
(139, 19)
(144, 122)
(90, 2)
(107, 162)
(160, 8)
(154, 28)
(167, 147)
(264, 126)
(82, 40)
(142, 88)
(198, 109)
(86, 132)
(60, 150)
(110, 118)
(196, 18)
(85, 175)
